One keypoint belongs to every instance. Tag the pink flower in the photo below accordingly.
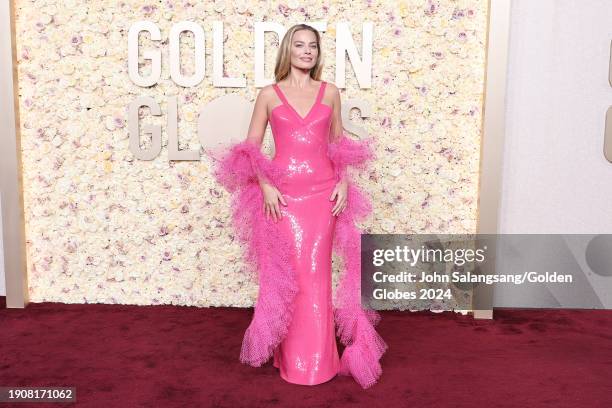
(284, 10)
(457, 14)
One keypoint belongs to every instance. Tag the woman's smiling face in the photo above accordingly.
(304, 49)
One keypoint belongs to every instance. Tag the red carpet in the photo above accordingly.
(173, 356)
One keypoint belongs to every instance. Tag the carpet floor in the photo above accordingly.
(175, 356)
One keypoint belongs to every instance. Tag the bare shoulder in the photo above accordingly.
(332, 88)
(265, 95)
(331, 95)
(266, 91)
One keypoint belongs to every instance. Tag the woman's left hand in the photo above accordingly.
(340, 192)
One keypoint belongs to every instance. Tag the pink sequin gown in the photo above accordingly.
(308, 355)
(294, 315)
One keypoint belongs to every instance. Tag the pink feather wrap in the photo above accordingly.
(268, 254)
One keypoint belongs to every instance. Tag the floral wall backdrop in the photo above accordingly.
(104, 227)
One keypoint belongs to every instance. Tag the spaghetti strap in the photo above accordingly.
(280, 94)
(321, 92)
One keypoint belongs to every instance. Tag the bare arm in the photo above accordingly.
(259, 122)
(340, 192)
(336, 126)
(257, 130)
(259, 119)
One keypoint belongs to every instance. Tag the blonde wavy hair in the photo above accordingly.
(283, 58)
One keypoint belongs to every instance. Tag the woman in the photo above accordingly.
(291, 211)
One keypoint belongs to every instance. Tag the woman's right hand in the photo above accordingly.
(271, 197)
